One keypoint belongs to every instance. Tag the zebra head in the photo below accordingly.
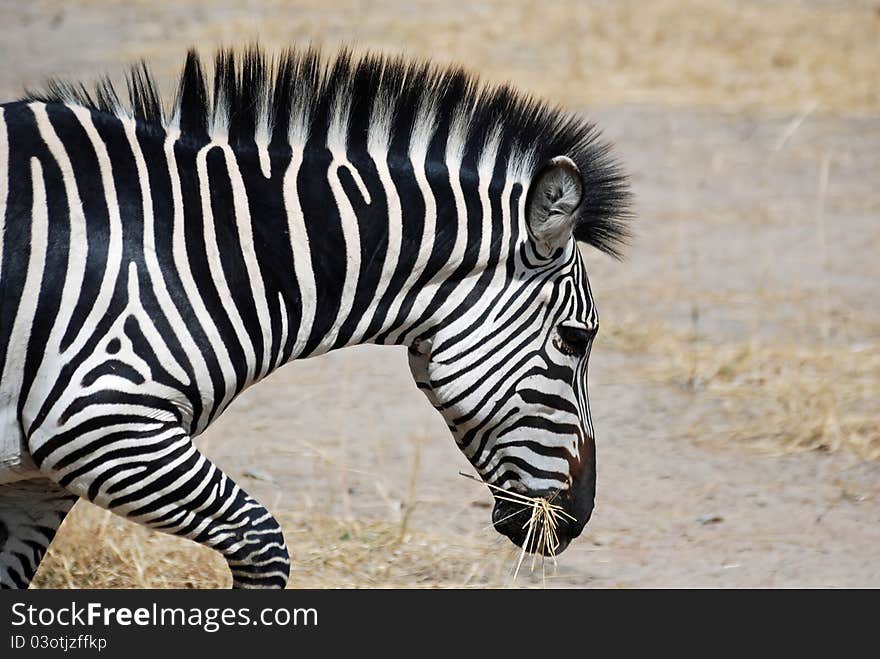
(509, 375)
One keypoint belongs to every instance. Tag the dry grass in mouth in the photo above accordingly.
(541, 537)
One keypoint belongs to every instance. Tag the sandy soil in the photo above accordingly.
(758, 229)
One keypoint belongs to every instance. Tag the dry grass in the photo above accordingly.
(541, 538)
(96, 549)
(781, 396)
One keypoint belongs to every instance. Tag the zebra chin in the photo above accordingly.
(511, 519)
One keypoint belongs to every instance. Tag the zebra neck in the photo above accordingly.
(293, 252)
(378, 245)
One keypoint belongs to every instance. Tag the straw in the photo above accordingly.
(541, 536)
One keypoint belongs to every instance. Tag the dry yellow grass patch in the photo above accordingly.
(778, 396)
(96, 549)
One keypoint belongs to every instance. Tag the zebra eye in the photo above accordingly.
(574, 340)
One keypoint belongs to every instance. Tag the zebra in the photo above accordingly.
(156, 260)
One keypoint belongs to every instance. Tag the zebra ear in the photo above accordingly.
(554, 195)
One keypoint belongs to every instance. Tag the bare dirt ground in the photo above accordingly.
(736, 381)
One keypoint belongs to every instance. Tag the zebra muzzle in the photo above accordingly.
(539, 524)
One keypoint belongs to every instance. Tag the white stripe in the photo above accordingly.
(19, 337)
(302, 255)
(218, 277)
(265, 159)
(249, 254)
(78, 250)
(352, 237)
(418, 159)
(181, 262)
(282, 339)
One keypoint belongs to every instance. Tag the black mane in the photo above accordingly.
(253, 97)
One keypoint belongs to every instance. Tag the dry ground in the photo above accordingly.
(736, 380)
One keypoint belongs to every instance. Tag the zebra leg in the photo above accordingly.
(30, 513)
(166, 484)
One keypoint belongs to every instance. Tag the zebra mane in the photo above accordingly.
(304, 94)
